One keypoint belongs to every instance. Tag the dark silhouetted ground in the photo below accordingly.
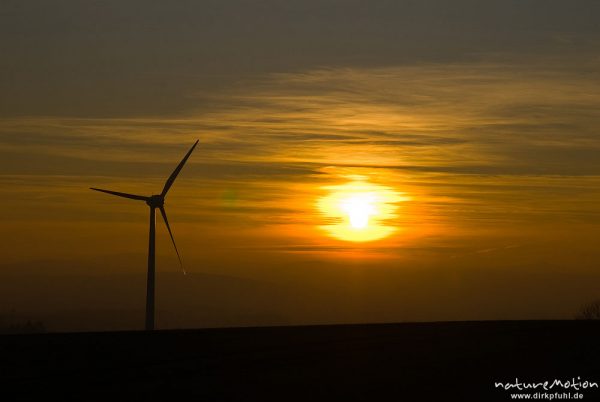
(393, 362)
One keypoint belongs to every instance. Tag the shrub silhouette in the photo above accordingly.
(9, 324)
(589, 311)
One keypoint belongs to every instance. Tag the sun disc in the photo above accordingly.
(359, 211)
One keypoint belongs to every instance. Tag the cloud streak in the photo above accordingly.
(475, 146)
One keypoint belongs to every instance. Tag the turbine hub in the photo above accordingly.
(156, 201)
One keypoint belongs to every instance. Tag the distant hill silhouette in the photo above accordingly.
(80, 302)
(108, 294)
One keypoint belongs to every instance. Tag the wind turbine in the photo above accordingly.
(154, 202)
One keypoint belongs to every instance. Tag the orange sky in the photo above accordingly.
(487, 157)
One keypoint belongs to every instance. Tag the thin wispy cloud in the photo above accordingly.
(423, 126)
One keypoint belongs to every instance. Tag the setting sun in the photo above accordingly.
(359, 207)
(359, 211)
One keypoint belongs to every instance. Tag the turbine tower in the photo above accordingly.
(154, 202)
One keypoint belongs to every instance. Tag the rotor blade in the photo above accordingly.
(173, 176)
(125, 195)
(164, 215)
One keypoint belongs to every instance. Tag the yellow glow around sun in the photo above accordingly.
(359, 211)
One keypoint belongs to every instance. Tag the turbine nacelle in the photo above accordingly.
(155, 201)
